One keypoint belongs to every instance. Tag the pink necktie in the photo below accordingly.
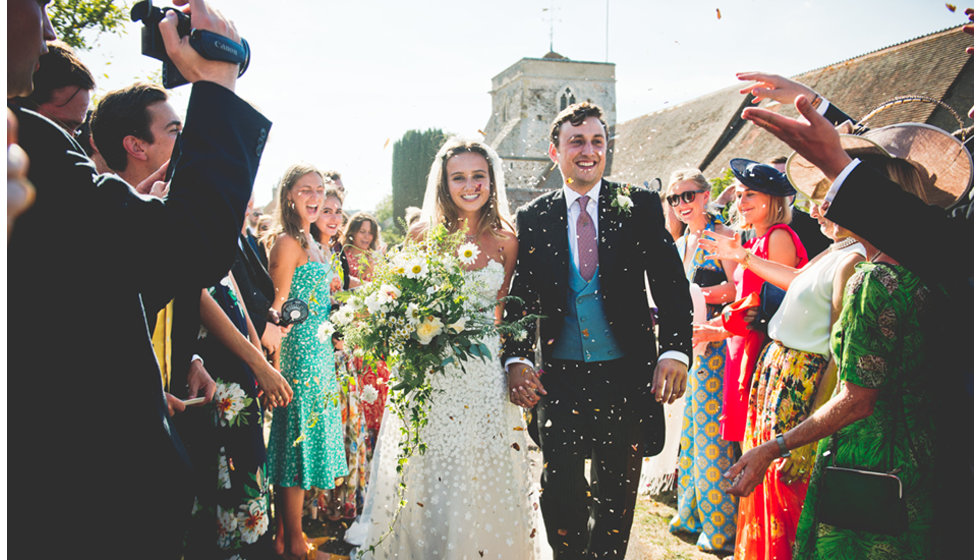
(588, 254)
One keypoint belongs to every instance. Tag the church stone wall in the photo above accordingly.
(525, 99)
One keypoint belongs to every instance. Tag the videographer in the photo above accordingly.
(96, 438)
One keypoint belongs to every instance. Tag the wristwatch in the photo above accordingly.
(781, 442)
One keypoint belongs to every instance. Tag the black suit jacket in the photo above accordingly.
(933, 242)
(631, 246)
(257, 248)
(255, 283)
(93, 415)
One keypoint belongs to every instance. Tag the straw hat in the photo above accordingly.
(946, 163)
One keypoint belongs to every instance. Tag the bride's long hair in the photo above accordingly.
(438, 206)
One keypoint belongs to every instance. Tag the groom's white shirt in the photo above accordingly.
(574, 211)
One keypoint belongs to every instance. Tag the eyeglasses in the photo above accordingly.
(686, 196)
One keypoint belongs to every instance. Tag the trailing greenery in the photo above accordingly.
(411, 158)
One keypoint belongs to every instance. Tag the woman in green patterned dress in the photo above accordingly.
(880, 416)
(306, 441)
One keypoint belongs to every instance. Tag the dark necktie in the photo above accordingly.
(588, 254)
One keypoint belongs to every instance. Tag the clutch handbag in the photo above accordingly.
(770, 298)
(705, 277)
(862, 500)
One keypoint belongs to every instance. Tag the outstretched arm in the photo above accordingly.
(814, 138)
(729, 250)
(784, 90)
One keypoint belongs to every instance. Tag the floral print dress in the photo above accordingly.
(230, 517)
(879, 344)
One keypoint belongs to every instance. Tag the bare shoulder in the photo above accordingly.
(781, 237)
(286, 249)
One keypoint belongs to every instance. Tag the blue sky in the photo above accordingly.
(342, 81)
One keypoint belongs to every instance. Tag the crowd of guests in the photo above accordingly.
(812, 355)
(813, 361)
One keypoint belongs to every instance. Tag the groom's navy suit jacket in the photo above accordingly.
(94, 431)
(629, 246)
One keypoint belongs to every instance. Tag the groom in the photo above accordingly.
(583, 252)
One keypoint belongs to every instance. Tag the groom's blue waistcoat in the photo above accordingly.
(585, 333)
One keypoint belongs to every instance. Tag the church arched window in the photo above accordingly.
(567, 98)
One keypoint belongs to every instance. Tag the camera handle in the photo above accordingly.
(209, 45)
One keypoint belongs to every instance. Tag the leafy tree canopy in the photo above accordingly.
(72, 18)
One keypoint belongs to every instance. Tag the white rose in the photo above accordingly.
(624, 201)
(429, 329)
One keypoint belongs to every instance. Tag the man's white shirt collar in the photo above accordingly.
(571, 196)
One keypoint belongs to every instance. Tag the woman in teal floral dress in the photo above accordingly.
(306, 443)
(703, 508)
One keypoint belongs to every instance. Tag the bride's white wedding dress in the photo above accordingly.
(471, 495)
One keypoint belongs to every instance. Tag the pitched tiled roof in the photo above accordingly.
(935, 65)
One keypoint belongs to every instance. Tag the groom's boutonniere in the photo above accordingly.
(622, 200)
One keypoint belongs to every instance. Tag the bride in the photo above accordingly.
(471, 494)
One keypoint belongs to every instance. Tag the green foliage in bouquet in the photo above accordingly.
(419, 314)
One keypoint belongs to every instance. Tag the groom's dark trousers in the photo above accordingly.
(582, 417)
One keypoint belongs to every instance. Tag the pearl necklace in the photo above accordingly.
(846, 242)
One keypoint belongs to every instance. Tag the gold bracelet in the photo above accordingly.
(745, 260)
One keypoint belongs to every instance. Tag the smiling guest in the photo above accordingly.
(306, 441)
(702, 508)
(762, 196)
(360, 243)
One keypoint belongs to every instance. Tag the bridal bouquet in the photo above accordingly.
(420, 315)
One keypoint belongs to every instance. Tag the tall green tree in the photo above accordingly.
(411, 158)
(72, 18)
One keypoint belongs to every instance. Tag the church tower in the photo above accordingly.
(526, 97)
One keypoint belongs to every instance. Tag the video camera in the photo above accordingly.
(209, 45)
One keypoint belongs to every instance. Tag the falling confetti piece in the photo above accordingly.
(534, 531)
(562, 532)
(387, 141)
(481, 132)
(419, 504)
(516, 446)
(718, 11)
(518, 429)
(951, 7)
(574, 411)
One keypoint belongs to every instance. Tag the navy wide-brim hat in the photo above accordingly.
(761, 177)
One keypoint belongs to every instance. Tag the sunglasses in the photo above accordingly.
(686, 196)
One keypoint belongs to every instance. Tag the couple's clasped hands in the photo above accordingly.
(524, 385)
(526, 389)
